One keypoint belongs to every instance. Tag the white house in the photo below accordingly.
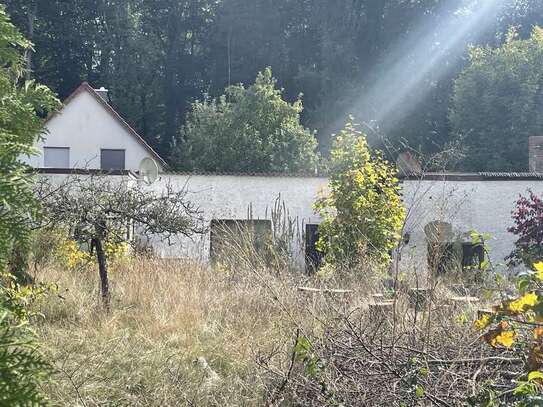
(88, 133)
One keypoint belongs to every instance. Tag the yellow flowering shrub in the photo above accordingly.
(517, 325)
(362, 213)
(72, 256)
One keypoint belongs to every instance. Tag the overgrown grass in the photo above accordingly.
(166, 315)
(178, 333)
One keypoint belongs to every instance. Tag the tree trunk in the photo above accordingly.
(32, 11)
(102, 270)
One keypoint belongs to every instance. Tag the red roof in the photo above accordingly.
(86, 87)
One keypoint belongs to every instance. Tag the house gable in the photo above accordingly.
(87, 125)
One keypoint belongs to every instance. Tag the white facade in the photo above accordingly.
(481, 205)
(242, 197)
(484, 206)
(84, 127)
(470, 204)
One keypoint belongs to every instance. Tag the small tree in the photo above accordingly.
(528, 226)
(21, 105)
(97, 209)
(363, 212)
(247, 129)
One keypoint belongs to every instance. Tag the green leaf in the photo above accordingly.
(535, 375)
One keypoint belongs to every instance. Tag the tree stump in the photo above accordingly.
(419, 297)
(380, 310)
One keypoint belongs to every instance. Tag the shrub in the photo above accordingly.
(248, 129)
(363, 212)
(515, 325)
(528, 226)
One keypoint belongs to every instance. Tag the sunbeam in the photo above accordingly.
(394, 89)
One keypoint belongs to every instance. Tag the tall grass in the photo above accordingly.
(177, 333)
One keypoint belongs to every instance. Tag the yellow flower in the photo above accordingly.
(504, 338)
(539, 270)
(482, 322)
(519, 305)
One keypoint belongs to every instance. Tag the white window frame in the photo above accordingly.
(52, 148)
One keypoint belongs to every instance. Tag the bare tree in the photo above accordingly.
(100, 208)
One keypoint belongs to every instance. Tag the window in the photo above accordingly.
(229, 235)
(56, 157)
(313, 258)
(111, 159)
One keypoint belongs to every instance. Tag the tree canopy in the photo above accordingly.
(248, 129)
(497, 103)
(158, 56)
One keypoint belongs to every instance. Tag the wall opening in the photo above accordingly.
(313, 257)
(234, 237)
(473, 255)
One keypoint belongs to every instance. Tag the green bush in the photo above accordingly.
(363, 213)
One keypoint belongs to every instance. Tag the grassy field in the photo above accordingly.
(180, 334)
(176, 334)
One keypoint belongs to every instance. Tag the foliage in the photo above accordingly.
(496, 103)
(20, 125)
(248, 129)
(157, 56)
(516, 324)
(528, 227)
(102, 211)
(23, 368)
(362, 213)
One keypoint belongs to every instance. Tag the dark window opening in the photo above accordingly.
(473, 255)
(229, 236)
(313, 257)
(112, 159)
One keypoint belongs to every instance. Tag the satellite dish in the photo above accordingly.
(148, 170)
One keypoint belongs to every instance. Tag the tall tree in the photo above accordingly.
(497, 103)
(248, 129)
(22, 107)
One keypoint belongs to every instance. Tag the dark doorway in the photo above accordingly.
(313, 257)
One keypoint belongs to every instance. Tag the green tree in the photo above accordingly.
(497, 103)
(248, 129)
(22, 106)
(22, 366)
(362, 213)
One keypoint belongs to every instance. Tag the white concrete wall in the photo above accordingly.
(483, 206)
(85, 127)
(242, 197)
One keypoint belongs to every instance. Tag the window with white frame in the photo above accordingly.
(56, 157)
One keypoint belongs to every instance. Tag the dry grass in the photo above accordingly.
(180, 334)
(166, 315)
